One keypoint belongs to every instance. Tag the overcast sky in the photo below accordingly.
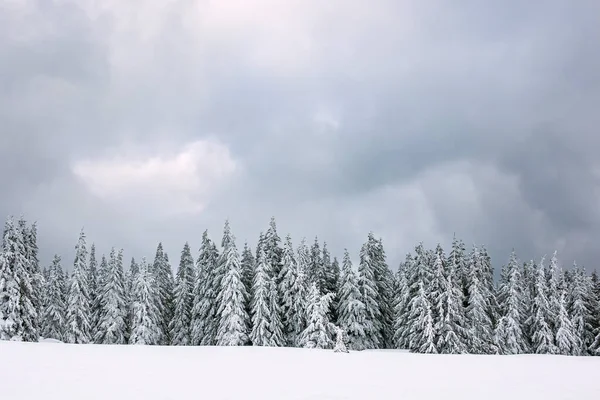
(147, 121)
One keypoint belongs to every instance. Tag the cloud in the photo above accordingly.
(180, 183)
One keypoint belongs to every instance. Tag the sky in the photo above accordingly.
(145, 121)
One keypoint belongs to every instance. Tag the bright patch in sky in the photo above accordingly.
(180, 182)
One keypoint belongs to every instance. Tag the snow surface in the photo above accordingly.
(62, 372)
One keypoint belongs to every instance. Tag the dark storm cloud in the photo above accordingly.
(416, 121)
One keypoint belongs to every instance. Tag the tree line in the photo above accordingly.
(280, 295)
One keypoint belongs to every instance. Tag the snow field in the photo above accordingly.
(54, 371)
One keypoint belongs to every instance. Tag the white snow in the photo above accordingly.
(47, 371)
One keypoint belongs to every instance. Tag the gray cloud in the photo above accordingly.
(415, 121)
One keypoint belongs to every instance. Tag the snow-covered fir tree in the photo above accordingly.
(479, 321)
(367, 285)
(542, 337)
(579, 310)
(315, 267)
(273, 250)
(53, 321)
(275, 323)
(96, 306)
(248, 263)
(32, 290)
(165, 284)
(288, 288)
(351, 310)
(299, 294)
(184, 297)
(509, 335)
(145, 326)
(204, 311)
(14, 272)
(93, 285)
(130, 277)
(553, 275)
(112, 320)
(450, 327)
(594, 348)
(79, 319)
(234, 320)
(421, 336)
(318, 333)
(402, 304)
(567, 342)
(261, 321)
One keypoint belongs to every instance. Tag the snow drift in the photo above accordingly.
(63, 372)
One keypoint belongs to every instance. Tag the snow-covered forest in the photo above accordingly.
(298, 295)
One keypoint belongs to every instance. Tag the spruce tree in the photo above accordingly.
(315, 268)
(553, 280)
(261, 334)
(477, 313)
(510, 336)
(594, 348)
(288, 288)
(277, 338)
(112, 321)
(318, 333)
(53, 321)
(421, 335)
(130, 278)
(79, 319)
(13, 276)
(32, 290)
(567, 343)
(248, 262)
(402, 304)
(165, 283)
(451, 327)
(93, 274)
(234, 321)
(273, 251)
(385, 283)
(351, 310)
(96, 306)
(325, 279)
(367, 285)
(542, 337)
(204, 310)
(579, 310)
(184, 298)
(145, 326)
(300, 294)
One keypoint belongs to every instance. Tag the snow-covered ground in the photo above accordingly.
(54, 371)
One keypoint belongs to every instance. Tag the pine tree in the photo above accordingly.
(164, 280)
(421, 336)
(542, 337)
(451, 327)
(351, 310)
(367, 285)
(402, 304)
(130, 277)
(145, 327)
(580, 312)
(553, 280)
(13, 270)
(436, 293)
(509, 336)
(234, 321)
(53, 321)
(299, 292)
(184, 298)
(78, 329)
(204, 310)
(288, 288)
(32, 290)
(594, 348)
(567, 342)
(477, 313)
(326, 283)
(315, 268)
(96, 306)
(277, 338)
(340, 346)
(248, 262)
(273, 251)
(318, 331)
(112, 321)
(93, 285)
(261, 334)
